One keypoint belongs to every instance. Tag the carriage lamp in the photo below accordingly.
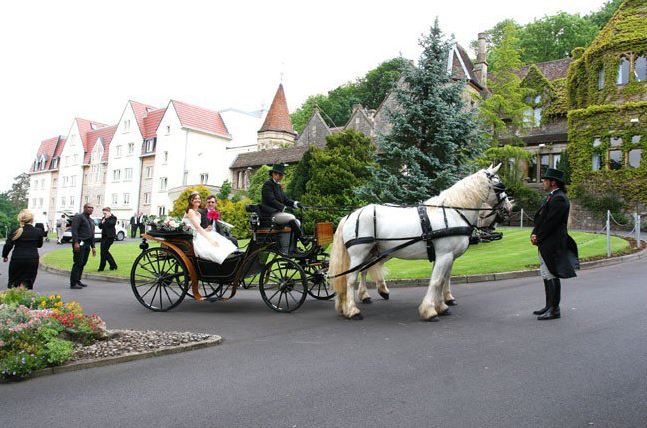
(143, 245)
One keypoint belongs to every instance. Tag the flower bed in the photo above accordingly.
(41, 331)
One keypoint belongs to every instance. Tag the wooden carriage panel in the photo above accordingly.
(324, 232)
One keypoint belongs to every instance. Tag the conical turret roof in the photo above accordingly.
(278, 116)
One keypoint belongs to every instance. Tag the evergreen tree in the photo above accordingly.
(225, 190)
(297, 186)
(256, 183)
(19, 191)
(434, 136)
(504, 109)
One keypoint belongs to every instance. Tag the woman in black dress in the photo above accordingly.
(25, 242)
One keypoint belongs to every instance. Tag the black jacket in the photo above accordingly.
(273, 198)
(82, 229)
(205, 222)
(25, 247)
(557, 248)
(107, 227)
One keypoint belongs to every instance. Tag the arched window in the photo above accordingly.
(623, 71)
(601, 78)
(640, 69)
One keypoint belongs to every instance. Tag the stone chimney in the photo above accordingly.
(480, 66)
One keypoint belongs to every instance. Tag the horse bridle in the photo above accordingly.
(497, 209)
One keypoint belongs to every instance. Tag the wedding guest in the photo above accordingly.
(61, 223)
(82, 244)
(24, 241)
(108, 235)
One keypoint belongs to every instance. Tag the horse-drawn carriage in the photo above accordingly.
(286, 270)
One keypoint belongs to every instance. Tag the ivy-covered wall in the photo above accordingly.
(624, 35)
(605, 122)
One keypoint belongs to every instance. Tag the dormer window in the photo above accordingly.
(601, 78)
(623, 71)
(640, 69)
(126, 125)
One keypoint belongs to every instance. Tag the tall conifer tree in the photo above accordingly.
(434, 135)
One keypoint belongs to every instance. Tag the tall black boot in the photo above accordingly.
(545, 308)
(554, 296)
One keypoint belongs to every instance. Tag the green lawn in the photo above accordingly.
(513, 252)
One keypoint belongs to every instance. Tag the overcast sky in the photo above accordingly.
(63, 59)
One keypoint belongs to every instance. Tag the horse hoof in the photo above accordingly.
(451, 302)
(444, 314)
(357, 317)
(433, 319)
(367, 301)
(385, 296)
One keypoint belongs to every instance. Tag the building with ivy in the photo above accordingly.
(592, 107)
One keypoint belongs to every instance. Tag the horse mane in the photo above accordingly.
(470, 192)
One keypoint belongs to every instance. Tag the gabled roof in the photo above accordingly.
(105, 134)
(151, 123)
(141, 110)
(556, 69)
(59, 147)
(460, 66)
(200, 119)
(47, 149)
(278, 116)
(86, 126)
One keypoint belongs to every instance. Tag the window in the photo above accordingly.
(67, 160)
(63, 201)
(537, 116)
(54, 182)
(126, 125)
(633, 158)
(313, 131)
(165, 157)
(640, 69)
(204, 178)
(556, 158)
(65, 181)
(538, 99)
(76, 159)
(98, 199)
(131, 148)
(147, 198)
(544, 163)
(168, 129)
(528, 117)
(149, 172)
(116, 175)
(115, 199)
(163, 183)
(86, 199)
(126, 198)
(71, 201)
(128, 174)
(597, 142)
(597, 159)
(74, 181)
(161, 211)
(150, 145)
(55, 163)
(616, 142)
(615, 159)
(532, 170)
(36, 185)
(40, 202)
(185, 178)
(623, 71)
(118, 151)
(601, 78)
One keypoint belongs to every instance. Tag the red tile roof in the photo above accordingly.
(47, 148)
(278, 116)
(86, 126)
(59, 148)
(92, 137)
(200, 119)
(151, 123)
(141, 111)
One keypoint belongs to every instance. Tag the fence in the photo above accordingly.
(621, 229)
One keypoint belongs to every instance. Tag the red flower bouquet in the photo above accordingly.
(213, 215)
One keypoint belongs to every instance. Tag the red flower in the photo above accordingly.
(213, 215)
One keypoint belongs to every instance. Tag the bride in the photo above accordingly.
(209, 245)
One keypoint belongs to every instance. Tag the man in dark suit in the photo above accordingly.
(108, 235)
(208, 224)
(141, 223)
(82, 244)
(133, 225)
(558, 254)
(274, 201)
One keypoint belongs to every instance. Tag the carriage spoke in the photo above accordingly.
(148, 291)
(154, 294)
(287, 303)
(277, 291)
(167, 295)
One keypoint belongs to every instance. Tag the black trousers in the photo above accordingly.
(80, 259)
(133, 230)
(105, 254)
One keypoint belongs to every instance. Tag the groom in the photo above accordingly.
(209, 224)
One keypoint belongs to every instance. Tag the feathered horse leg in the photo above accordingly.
(448, 297)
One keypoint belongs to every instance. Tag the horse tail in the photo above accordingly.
(339, 262)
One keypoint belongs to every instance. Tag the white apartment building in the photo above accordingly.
(43, 176)
(190, 150)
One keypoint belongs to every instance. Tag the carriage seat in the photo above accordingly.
(265, 224)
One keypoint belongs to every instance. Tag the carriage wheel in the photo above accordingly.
(283, 285)
(159, 279)
(318, 282)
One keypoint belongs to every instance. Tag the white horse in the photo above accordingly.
(389, 224)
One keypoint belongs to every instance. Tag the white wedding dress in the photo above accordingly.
(204, 249)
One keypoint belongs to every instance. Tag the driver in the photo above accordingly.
(274, 201)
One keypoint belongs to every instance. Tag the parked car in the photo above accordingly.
(121, 232)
